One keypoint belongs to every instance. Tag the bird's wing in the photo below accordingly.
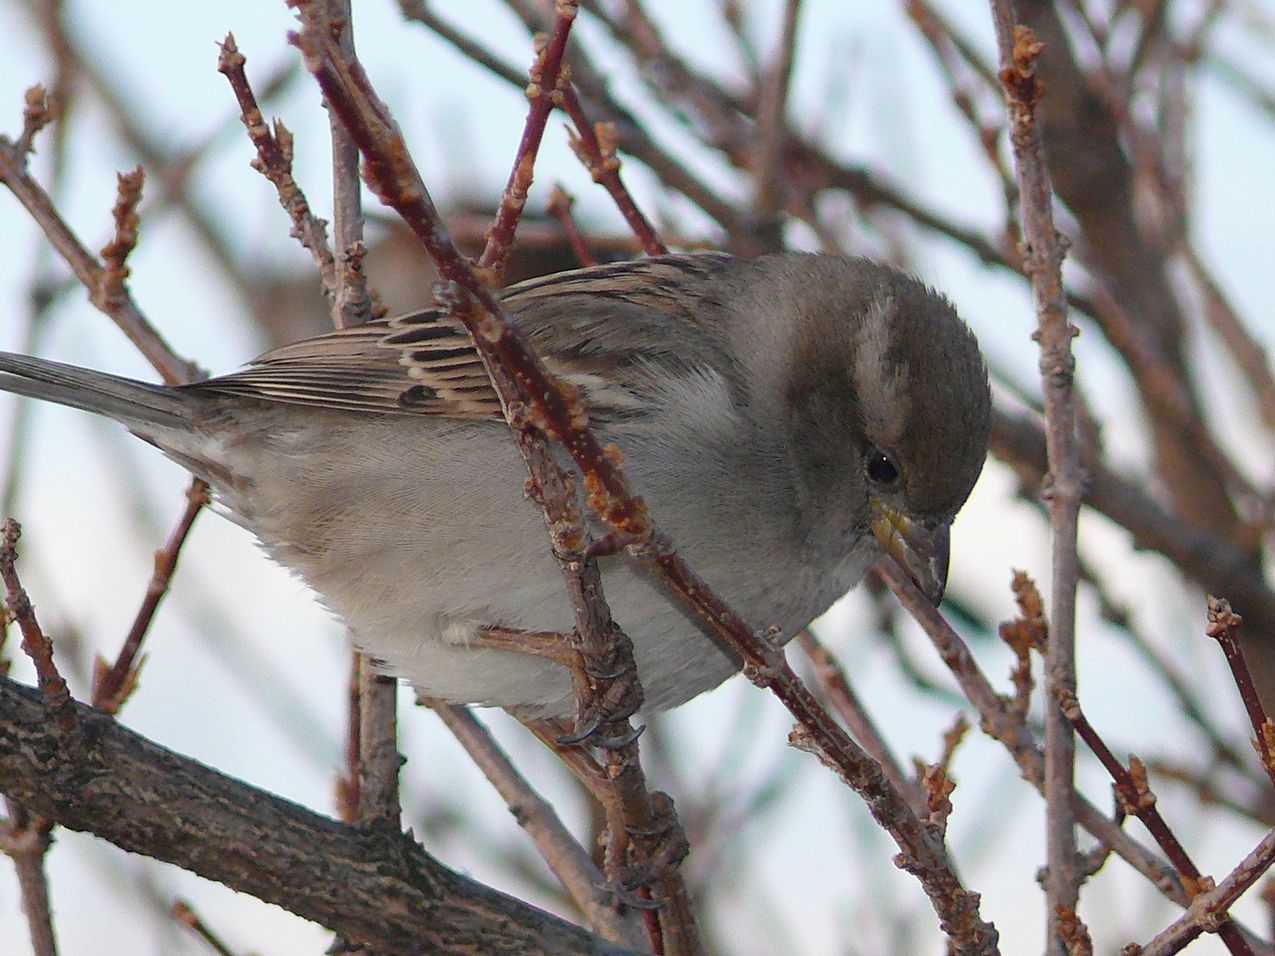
(609, 330)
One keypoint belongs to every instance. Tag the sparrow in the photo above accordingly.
(789, 420)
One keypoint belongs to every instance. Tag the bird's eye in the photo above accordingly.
(881, 469)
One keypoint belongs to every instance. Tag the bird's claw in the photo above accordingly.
(583, 730)
(629, 898)
(621, 740)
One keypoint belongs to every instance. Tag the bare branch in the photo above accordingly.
(274, 161)
(381, 890)
(123, 311)
(114, 683)
(544, 92)
(568, 860)
(1043, 251)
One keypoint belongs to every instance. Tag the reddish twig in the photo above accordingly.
(1209, 908)
(53, 690)
(936, 780)
(1224, 625)
(122, 310)
(25, 838)
(1134, 796)
(274, 161)
(596, 145)
(185, 914)
(701, 102)
(772, 129)
(1026, 633)
(36, 114)
(597, 155)
(998, 720)
(634, 139)
(109, 291)
(544, 93)
(560, 202)
(112, 684)
(1074, 933)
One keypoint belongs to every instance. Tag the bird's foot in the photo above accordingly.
(548, 645)
(606, 683)
(656, 848)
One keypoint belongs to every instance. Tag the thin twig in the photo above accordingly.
(122, 310)
(373, 777)
(274, 161)
(185, 914)
(998, 720)
(1043, 251)
(544, 93)
(1136, 799)
(1211, 906)
(110, 288)
(845, 702)
(772, 129)
(1223, 626)
(596, 145)
(53, 689)
(113, 683)
(25, 838)
(560, 202)
(352, 305)
(1026, 633)
(564, 855)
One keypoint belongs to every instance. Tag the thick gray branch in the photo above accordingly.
(382, 891)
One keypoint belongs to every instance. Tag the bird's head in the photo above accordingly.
(889, 411)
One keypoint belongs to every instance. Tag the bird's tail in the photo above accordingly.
(128, 401)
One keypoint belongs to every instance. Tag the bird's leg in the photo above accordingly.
(550, 645)
(606, 685)
(597, 748)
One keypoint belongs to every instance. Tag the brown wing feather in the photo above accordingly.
(425, 362)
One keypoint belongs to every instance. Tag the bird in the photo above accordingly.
(789, 421)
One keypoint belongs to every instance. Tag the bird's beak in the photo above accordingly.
(920, 548)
